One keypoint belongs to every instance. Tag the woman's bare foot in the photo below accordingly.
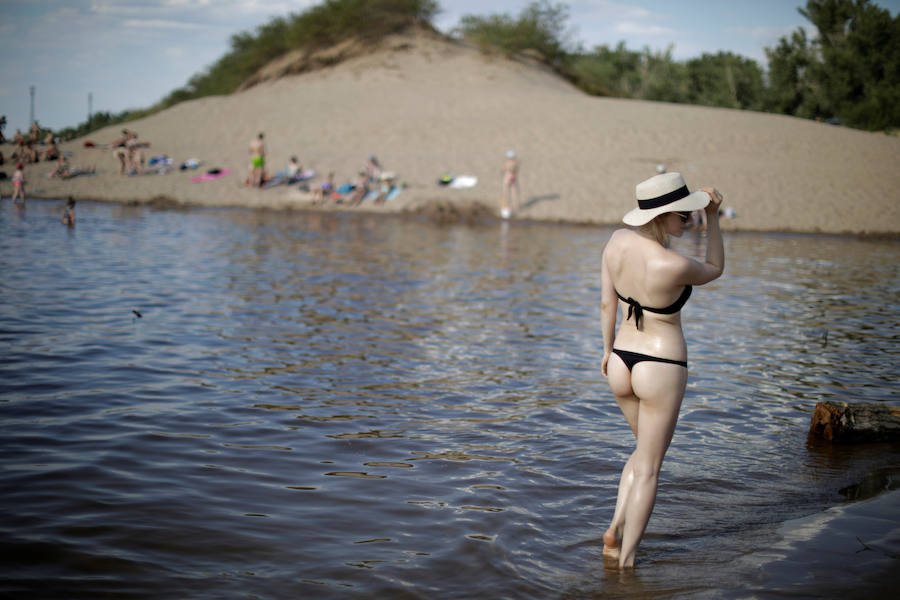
(611, 544)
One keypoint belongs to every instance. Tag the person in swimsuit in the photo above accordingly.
(257, 151)
(68, 216)
(18, 180)
(645, 361)
(510, 202)
(323, 192)
(120, 150)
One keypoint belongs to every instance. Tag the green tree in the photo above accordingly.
(320, 26)
(541, 27)
(608, 72)
(726, 80)
(791, 89)
(662, 78)
(851, 70)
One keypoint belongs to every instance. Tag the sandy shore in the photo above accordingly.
(426, 106)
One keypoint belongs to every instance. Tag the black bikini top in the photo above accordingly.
(634, 307)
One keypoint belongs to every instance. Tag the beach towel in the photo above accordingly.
(463, 181)
(160, 161)
(371, 195)
(281, 178)
(210, 175)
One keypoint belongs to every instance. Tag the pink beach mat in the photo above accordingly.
(210, 176)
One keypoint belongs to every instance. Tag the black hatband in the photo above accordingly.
(669, 198)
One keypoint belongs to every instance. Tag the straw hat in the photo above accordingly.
(661, 194)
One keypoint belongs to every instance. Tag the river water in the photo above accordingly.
(244, 404)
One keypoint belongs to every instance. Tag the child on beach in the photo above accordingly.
(18, 180)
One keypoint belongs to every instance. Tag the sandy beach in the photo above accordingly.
(426, 106)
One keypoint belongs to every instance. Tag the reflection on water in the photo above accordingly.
(314, 405)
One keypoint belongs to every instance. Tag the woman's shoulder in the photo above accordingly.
(620, 235)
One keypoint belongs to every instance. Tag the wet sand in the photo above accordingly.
(851, 548)
(426, 106)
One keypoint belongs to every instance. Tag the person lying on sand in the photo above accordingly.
(64, 171)
(290, 174)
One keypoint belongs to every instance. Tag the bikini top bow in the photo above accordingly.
(634, 307)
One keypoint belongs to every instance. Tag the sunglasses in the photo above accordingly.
(685, 216)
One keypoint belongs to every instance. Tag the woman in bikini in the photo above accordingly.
(645, 361)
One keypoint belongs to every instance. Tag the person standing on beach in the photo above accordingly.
(257, 161)
(120, 150)
(134, 156)
(510, 202)
(645, 361)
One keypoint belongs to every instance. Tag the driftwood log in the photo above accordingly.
(843, 422)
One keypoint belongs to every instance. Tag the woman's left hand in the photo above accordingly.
(604, 363)
(715, 199)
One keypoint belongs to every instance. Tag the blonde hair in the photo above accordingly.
(655, 228)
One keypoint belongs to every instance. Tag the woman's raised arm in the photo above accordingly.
(694, 272)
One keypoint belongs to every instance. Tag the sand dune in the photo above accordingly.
(425, 106)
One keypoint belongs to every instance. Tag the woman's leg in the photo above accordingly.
(620, 384)
(660, 389)
(613, 536)
(504, 201)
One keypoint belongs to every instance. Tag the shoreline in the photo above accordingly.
(426, 107)
(434, 211)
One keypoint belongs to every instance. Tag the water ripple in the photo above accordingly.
(322, 405)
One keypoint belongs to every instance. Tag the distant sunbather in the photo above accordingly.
(323, 192)
(64, 171)
(362, 188)
(290, 174)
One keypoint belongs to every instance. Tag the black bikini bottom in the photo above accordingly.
(632, 358)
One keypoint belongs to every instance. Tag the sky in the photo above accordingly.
(128, 54)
